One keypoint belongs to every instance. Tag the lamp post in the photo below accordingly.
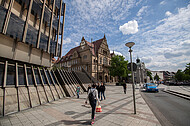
(130, 44)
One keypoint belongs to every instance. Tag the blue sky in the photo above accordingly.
(159, 28)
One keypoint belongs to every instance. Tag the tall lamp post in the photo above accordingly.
(130, 44)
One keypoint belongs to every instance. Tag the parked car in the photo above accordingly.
(151, 87)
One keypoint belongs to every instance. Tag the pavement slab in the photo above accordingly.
(117, 111)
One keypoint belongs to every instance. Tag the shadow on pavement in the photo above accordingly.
(71, 122)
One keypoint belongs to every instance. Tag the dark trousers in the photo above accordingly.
(125, 90)
(99, 94)
(77, 94)
(93, 105)
(102, 93)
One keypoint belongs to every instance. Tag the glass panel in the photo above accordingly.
(49, 78)
(30, 78)
(43, 77)
(38, 80)
(11, 75)
(15, 27)
(21, 76)
(2, 16)
(32, 35)
(52, 46)
(2, 68)
(43, 42)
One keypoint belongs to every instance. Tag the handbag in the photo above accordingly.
(98, 108)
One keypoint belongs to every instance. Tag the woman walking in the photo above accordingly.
(93, 98)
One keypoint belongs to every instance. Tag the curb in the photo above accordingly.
(181, 95)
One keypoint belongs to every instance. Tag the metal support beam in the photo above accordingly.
(6, 22)
(50, 29)
(40, 25)
(62, 33)
(26, 22)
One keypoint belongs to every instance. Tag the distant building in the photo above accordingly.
(140, 75)
(94, 57)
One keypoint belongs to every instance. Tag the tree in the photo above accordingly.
(119, 67)
(149, 74)
(187, 69)
(179, 75)
(156, 77)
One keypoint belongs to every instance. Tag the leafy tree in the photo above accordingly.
(187, 69)
(179, 75)
(149, 74)
(156, 77)
(119, 67)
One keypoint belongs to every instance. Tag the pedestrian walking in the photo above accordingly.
(78, 90)
(124, 87)
(93, 98)
(102, 91)
(98, 89)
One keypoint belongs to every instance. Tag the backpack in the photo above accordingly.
(91, 96)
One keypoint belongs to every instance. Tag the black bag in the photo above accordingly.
(91, 96)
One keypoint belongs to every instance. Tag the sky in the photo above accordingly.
(160, 29)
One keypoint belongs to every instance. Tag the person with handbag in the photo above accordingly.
(93, 98)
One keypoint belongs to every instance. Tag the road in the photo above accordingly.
(169, 109)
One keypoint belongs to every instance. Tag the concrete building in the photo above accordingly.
(94, 57)
(140, 75)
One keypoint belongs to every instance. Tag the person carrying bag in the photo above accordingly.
(93, 98)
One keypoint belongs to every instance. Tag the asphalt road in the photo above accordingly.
(169, 109)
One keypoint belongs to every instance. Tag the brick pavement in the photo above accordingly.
(117, 111)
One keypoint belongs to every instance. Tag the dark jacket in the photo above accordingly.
(98, 88)
(102, 88)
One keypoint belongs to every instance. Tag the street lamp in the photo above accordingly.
(130, 44)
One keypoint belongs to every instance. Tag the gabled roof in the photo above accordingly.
(94, 46)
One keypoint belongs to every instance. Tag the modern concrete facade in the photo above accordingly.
(94, 57)
(29, 32)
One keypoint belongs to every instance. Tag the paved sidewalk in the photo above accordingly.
(117, 111)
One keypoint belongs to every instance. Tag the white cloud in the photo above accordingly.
(163, 3)
(67, 41)
(142, 10)
(129, 28)
(146, 59)
(77, 43)
(168, 13)
(116, 53)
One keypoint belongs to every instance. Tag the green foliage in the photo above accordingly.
(119, 67)
(187, 69)
(181, 76)
(156, 77)
(149, 74)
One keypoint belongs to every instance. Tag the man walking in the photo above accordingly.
(78, 91)
(102, 90)
(124, 87)
(93, 98)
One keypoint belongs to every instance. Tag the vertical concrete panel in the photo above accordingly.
(60, 91)
(1, 101)
(23, 98)
(48, 92)
(34, 96)
(54, 92)
(69, 90)
(42, 94)
(11, 101)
